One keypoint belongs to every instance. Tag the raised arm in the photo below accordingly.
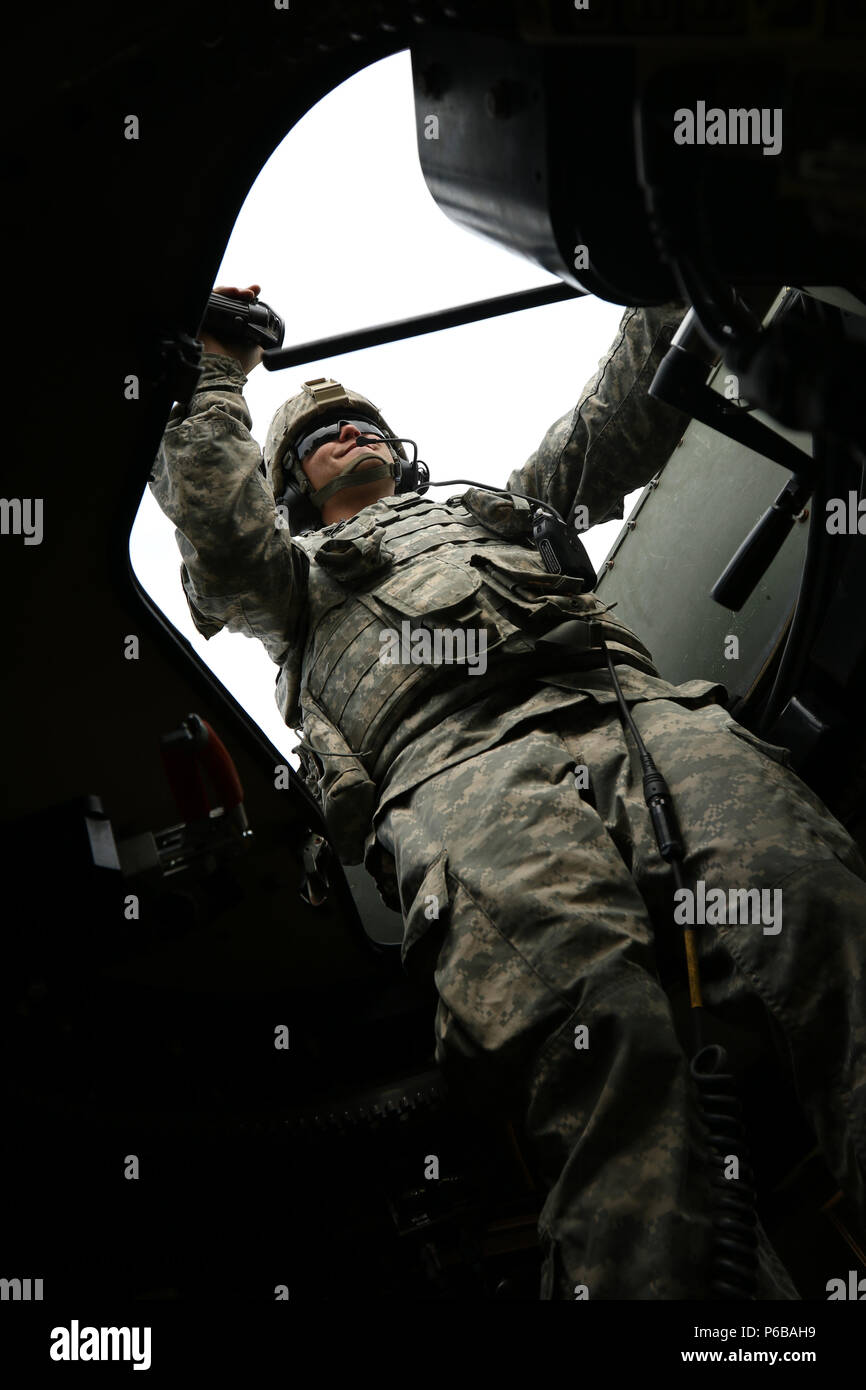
(618, 436)
(239, 569)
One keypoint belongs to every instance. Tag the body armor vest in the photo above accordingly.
(466, 569)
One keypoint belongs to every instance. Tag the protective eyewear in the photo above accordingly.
(329, 434)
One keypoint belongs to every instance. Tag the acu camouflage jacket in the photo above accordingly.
(322, 602)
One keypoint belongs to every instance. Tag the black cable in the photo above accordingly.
(734, 1238)
(488, 487)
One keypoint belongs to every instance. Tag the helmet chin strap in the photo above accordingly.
(344, 479)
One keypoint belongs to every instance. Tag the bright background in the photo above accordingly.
(340, 232)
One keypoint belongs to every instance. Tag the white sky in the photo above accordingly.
(340, 232)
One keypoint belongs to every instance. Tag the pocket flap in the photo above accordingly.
(347, 795)
(776, 751)
(355, 559)
(430, 585)
(523, 573)
(506, 514)
(429, 910)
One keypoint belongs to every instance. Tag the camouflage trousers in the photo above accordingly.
(553, 912)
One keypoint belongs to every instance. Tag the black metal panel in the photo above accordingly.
(519, 145)
(749, 157)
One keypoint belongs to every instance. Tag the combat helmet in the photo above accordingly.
(318, 403)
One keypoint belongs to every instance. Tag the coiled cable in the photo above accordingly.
(735, 1240)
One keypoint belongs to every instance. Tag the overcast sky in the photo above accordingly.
(340, 232)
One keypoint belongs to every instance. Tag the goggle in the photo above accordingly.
(330, 434)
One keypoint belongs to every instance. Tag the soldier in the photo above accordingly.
(535, 895)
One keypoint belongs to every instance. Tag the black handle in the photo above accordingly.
(753, 558)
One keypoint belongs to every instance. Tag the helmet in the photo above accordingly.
(321, 401)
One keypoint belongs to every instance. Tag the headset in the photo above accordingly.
(409, 476)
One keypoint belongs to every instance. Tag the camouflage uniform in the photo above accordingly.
(540, 906)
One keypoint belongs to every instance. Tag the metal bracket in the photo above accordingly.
(315, 886)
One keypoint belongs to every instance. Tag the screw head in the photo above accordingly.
(505, 98)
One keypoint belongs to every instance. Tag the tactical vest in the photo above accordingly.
(464, 565)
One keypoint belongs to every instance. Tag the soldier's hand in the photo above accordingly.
(249, 355)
